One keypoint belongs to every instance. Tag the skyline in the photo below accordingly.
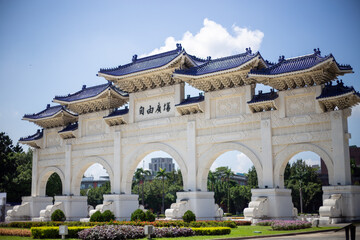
(51, 48)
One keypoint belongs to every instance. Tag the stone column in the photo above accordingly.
(191, 156)
(67, 170)
(115, 186)
(340, 146)
(267, 154)
(34, 175)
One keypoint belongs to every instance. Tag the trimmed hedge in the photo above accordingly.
(138, 215)
(108, 216)
(58, 215)
(212, 231)
(150, 217)
(53, 232)
(96, 217)
(189, 216)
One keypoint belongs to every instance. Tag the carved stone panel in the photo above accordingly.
(299, 105)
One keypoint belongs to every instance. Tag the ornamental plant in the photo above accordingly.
(96, 217)
(138, 215)
(189, 216)
(149, 216)
(58, 215)
(107, 216)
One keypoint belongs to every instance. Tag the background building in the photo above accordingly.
(90, 182)
(163, 163)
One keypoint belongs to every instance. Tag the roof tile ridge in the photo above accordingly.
(47, 108)
(144, 59)
(81, 90)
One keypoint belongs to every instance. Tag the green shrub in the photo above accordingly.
(228, 214)
(212, 231)
(189, 216)
(58, 215)
(161, 216)
(96, 217)
(53, 232)
(138, 215)
(150, 217)
(107, 216)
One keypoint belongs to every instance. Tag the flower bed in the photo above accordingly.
(285, 224)
(15, 232)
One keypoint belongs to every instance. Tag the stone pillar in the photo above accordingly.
(67, 172)
(131, 108)
(191, 156)
(75, 207)
(340, 204)
(179, 92)
(34, 175)
(267, 153)
(122, 205)
(340, 148)
(273, 203)
(115, 186)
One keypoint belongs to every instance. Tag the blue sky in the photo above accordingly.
(50, 48)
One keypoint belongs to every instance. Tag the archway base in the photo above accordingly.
(122, 205)
(75, 207)
(202, 204)
(270, 203)
(30, 208)
(340, 204)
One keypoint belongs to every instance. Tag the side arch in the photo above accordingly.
(139, 153)
(284, 157)
(207, 159)
(44, 176)
(80, 168)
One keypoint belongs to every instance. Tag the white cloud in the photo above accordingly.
(214, 40)
(96, 170)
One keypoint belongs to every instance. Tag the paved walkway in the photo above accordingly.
(320, 236)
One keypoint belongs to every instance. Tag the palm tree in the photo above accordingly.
(212, 179)
(140, 176)
(162, 174)
(227, 174)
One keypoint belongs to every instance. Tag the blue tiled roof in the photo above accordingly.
(190, 100)
(118, 112)
(262, 97)
(336, 90)
(146, 63)
(297, 64)
(89, 93)
(70, 127)
(219, 64)
(36, 136)
(48, 112)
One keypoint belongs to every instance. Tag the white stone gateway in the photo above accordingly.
(305, 113)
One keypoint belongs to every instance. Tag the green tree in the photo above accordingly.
(162, 174)
(140, 176)
(95, 195)
(252, 179)
(54, 185)
(240, 197)
(305, 184)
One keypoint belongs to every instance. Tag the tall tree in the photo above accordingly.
(252, 179)
(162, 174)
(140, 175)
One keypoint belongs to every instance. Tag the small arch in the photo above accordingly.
(215, 151)
(284, 157)
(132, 161)
(80, 169)
(44, 177)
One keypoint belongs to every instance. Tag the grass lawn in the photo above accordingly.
(241, 231)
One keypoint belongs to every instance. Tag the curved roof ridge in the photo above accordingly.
(83, 88)
(51, 111)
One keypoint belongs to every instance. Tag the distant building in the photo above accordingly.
(163, 163)
(239, 178)
(89, 182)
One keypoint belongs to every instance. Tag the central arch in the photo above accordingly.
(80, 169)
(284, 157)
(207, 159)
(139, 153)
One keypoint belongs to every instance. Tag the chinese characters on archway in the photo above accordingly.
(155, 109)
